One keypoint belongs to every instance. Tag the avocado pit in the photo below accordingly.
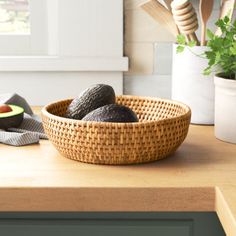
(4, 108)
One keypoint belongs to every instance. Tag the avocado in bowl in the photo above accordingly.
(11, 116)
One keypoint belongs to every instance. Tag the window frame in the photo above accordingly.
(33, 43)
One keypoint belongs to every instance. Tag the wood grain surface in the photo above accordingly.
(200, 176)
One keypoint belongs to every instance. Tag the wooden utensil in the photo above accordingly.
(179, 4)
(168, 4)
(205, 10)
(227, 8)
(185, 18)
(161, 15)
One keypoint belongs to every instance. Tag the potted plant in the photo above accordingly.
(221, 56)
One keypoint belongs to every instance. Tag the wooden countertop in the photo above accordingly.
(200, 176)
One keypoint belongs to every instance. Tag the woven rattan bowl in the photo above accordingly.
(162, 128)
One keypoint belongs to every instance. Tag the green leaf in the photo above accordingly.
(181, 39)
(220, 23)
(192, 44)
(180, 49)
(210, 35)
(217, 57)
(221, 55)
(226, 18)
(207, 71)
(210, 55)
(234, 24)
(233, 49)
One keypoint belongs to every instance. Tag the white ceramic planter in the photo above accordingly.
(191, 87)
(225, 109)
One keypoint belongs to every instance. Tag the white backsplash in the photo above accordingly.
(149, 48)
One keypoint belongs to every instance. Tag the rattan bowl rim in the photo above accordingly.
(45, 112)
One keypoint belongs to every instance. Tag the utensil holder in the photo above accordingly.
(190, 86)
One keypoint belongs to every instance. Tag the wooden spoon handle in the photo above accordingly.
(203, 34)
(188, 38)
(193, 37)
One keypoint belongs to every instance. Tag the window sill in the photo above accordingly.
(51, 63)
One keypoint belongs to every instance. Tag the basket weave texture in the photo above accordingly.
(162, 127)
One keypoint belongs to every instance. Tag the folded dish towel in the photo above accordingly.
(30, 130)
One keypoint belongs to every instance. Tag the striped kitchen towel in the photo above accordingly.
(30, 130)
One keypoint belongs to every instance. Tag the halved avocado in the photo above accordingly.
(13, 118)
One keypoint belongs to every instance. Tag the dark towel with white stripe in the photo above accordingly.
(30, 130)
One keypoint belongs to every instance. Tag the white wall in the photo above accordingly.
(40, 88)
(91, 28)
(87, 34)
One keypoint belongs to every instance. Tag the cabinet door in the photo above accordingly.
(104, 224)
(96, 228)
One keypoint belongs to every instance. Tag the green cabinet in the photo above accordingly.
(104, 224)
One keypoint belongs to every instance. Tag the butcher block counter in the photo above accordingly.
(199, 177)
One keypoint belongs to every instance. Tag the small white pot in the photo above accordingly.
(225, 109)
(191, 87)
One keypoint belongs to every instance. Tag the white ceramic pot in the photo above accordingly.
(191, 87)
(225, 109)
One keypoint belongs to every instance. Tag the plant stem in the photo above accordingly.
(198, 55)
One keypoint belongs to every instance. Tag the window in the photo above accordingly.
(14, 16)
(23, 27)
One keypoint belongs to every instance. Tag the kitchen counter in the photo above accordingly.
(200, 176)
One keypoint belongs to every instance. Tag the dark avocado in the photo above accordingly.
(95, 96)
(112, 113)
(13, 118)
